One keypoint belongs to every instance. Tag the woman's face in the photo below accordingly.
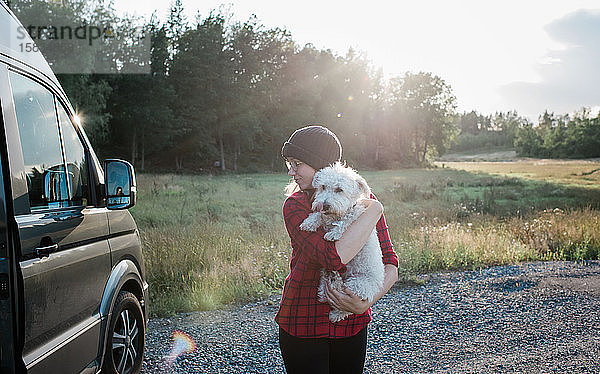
(301, 172)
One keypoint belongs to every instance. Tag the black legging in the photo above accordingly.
(323, 355)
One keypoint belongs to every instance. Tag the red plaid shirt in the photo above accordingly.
(300, 314)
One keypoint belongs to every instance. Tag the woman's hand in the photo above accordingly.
(367, 202)
(346, 300)
(349, 302)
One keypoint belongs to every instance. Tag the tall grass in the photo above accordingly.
(210, 241)
(548, 235)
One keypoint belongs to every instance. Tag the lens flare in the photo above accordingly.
(182, 343)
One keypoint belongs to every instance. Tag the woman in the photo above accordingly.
(309, 342)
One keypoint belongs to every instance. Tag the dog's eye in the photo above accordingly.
(323, 188)
(338, 189)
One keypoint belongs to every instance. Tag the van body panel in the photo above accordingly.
(125, 242)
(7, 338)
(66, 227)
(68, 351)
(127, 247)
(120, 222)
(66, 286)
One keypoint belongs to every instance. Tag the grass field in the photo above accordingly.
(574, 172)
(213, 240)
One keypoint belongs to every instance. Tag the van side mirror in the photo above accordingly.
(119, 182)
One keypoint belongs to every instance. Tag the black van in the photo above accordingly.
(73, 294)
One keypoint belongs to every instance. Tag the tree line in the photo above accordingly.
(220, 94)
(480, 132)
(574, 135)
(561, 136)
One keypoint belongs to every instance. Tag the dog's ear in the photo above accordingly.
(363, 187)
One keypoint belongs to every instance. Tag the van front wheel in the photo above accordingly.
(125, 343)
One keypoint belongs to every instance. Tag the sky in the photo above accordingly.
(525, 55)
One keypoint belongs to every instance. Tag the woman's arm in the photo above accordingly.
(349, 302)
(357, 234)
(330, 255)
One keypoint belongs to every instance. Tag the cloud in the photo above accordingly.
(569, 77)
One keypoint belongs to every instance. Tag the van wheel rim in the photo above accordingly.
(125, 342)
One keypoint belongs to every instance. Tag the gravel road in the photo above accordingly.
(532, 318)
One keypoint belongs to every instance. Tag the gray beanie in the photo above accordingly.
(315, 145)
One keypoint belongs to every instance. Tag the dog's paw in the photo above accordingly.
(321, 291)
(332, 235)
(336, 315)
(321, 297)
(312, 222)
(306, 226)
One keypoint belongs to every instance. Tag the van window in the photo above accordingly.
(76, 162)
(40, 143)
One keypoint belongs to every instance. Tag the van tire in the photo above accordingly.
(125, 336)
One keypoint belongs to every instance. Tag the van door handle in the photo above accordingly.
(46, 250)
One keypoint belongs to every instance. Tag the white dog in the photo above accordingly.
(335, 207)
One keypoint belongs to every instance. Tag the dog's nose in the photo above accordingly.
(326, 206)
